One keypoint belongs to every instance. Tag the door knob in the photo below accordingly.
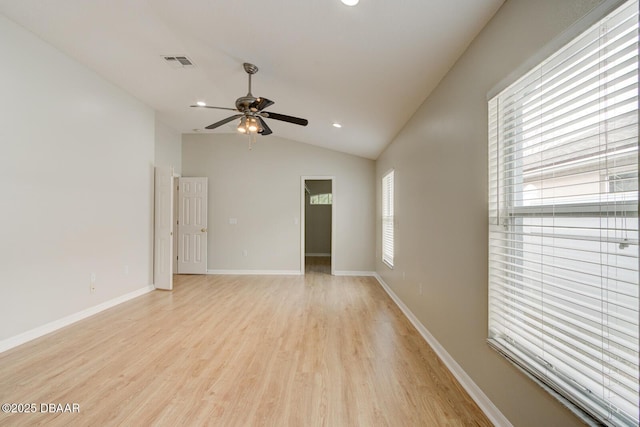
(204, 230)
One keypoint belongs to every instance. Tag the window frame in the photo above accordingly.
(321, 199)
(388, 218)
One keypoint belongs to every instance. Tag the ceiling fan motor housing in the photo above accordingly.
(243, 104)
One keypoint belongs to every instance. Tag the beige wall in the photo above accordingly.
(440, 161)
(76, 176)
(168, 147)
(261, 188)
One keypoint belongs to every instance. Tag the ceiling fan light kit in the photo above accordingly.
(249, 125)
(251, 111)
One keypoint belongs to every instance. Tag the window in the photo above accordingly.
(387, 218)
(623, 182)
(563, 211)
(321, 199)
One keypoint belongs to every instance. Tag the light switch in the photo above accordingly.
(233, 221)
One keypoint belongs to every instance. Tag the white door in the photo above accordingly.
(176, 215)
(192, 226)
(163, 229)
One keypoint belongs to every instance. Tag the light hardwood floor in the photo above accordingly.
(241, 351)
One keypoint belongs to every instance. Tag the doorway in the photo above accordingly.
(318, 224)
(192, 225)
(180, 226)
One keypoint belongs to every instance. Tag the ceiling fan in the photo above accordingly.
(251, 111)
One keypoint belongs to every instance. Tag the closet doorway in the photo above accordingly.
(318, 223)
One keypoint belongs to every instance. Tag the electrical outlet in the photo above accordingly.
(92, 288)
(245, 252)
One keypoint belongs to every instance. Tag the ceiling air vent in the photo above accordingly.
(179, 61)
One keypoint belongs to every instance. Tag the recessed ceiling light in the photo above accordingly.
(337, 125)
(350, 2)
(201, 103)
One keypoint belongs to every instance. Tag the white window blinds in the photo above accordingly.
(563, 210)
(387, 218)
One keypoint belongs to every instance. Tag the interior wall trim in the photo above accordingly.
(47, 328)
(486, 405)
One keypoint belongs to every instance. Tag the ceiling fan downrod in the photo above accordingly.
(250, 69)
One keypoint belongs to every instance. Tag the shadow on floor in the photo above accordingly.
(317, 264)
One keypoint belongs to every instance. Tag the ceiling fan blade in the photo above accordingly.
(285, 118)
(266, 130)
(261, 103)
(216, 108)
(224, 121)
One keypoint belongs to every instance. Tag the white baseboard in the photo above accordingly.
(32, 334)
(355, 273)
(317, 254)
(476, 393)
(256, 272)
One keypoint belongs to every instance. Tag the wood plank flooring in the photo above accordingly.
(240, 351)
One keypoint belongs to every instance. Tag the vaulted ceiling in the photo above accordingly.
(367, 67)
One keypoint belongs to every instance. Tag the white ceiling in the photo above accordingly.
(368, 67)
